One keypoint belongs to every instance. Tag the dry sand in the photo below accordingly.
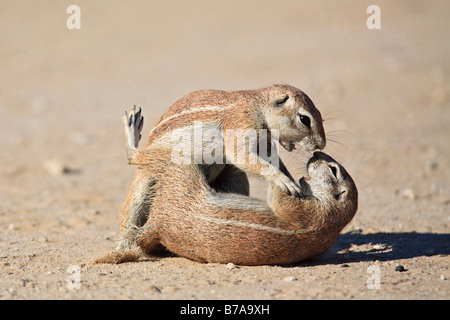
(385, 95)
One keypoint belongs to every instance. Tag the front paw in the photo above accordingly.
(287, 185)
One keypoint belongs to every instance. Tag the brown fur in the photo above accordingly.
(241, 229)
(203, 212)
(223, 110)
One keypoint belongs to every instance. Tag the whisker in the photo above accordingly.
(326, 115)
(339, 143)
(295, 162)
(340, 131)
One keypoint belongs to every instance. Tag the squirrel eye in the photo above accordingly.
(306, 121)
(281, 101)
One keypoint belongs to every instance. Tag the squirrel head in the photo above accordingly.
(329, 183)
(294, 115)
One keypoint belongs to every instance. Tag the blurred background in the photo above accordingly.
(384, 93)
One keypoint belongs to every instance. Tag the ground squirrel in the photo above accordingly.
(193, 219)
(207, 125)
(224, 227)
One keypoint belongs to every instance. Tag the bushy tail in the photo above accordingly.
(121, 256)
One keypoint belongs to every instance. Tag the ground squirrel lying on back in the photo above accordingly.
(191, 219)
(206, 127)
(222, 227)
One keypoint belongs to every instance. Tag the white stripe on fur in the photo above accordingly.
(192, 110)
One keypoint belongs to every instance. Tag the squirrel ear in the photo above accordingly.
(281, 100)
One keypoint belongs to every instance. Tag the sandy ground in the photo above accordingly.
(385, 95)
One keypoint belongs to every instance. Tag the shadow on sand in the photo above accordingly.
(356, 247)
(382, 246)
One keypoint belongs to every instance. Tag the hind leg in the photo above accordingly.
(137, 204)
(148, 240)
(134, 215)
(135, 209)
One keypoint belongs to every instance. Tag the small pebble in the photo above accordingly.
(443, 277)
(344, 265)
(400, 268)
(95, 212)
(432, 165)
(54, 167)
(230, 266)
(42, 239)
(408, 194)
(290, 278)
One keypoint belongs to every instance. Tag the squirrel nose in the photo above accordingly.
(320, 143)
